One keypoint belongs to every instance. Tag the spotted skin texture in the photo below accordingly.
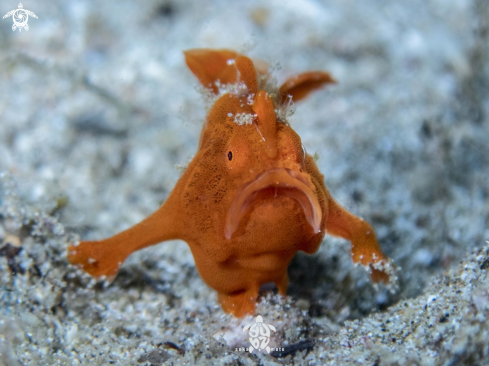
(251, 197)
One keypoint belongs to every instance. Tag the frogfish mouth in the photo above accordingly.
(280, 182)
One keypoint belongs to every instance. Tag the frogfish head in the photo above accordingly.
(245, 139)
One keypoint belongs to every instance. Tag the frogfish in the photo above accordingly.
(251, 198)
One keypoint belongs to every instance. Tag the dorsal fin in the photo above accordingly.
(211, 65)
(300, 86)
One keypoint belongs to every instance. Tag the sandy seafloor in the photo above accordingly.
(97, 107)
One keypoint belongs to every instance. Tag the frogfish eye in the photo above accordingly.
(230, 156)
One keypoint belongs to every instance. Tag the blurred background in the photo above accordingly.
(97, 107)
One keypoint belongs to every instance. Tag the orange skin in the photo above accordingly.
(251, 197)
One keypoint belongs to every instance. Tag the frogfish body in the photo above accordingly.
(250, 198)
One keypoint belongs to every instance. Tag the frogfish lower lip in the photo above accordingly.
(288, 183)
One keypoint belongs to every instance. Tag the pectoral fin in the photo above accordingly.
(365, 248)
(104, 257)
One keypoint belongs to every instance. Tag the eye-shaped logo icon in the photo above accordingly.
(259, 335)
(21, 17)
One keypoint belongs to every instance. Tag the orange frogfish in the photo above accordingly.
(250, 198)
